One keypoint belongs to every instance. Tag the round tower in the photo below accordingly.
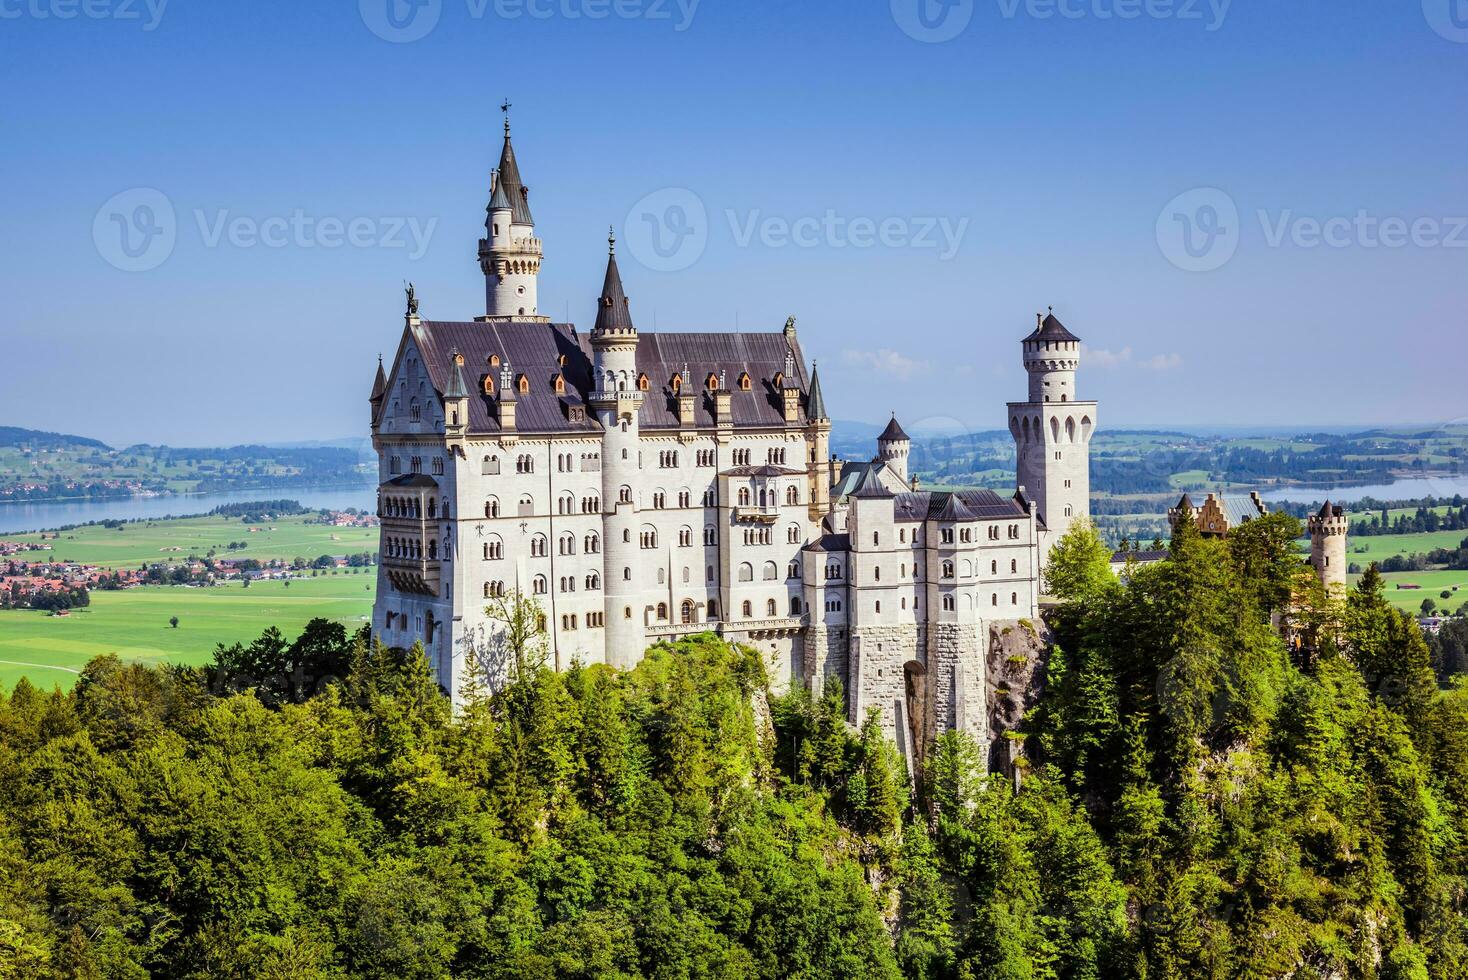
(1328, 532)
(510, 254)
(616, 399)
(1052, 354)
(1052, 431)
(894, 447)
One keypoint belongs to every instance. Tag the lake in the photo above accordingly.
(43, 515)
(1409, 489)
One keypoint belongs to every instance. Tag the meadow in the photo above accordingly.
(134, 623)
(131, 545)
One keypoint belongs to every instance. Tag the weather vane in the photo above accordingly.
(505, 108)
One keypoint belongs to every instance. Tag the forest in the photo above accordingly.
(1200, 794)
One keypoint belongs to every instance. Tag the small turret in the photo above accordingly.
(1328, 532)
(1052, 354)
(894, 447)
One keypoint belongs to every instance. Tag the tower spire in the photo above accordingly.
(817, 406)
(509, 253)
(612, 312)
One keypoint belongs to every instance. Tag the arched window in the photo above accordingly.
(592, 544)
(748, 609)
(744, 496)
(688, 611)
(1013, 566)
(624, 494)
(795, 607)
(792, 494)
(685, 537)
(662, 611)
(1014, 598)
(772, 609)
(490, 466)
(593, 582)
(771, 571)
(948, 603)
(492, 507)
(568, 544)
(494, 549)
(566, 504)
(659, 499)
(710, 535)
(649, 536)
(539, 547)
(948, 569)
(539, 585)
(746, 572)
(793, 534)
(712, 612)
(527, 505)
(794, 570)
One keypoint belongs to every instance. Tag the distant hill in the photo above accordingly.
(12, 436)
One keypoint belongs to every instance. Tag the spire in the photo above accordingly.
(508, 180)
(893, 432)
(456, 388)
(379, 386)
(612, 312)
(817, 407)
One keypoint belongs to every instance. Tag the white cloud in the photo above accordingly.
(1163, 362)
(1102, 358)
(885, 361)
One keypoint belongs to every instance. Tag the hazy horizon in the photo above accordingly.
(1214, 203)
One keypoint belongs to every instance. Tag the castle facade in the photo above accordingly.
(647, 486)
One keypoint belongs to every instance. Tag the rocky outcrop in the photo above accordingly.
(1015, 676)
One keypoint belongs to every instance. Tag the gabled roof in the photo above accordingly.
(893, 432)
(870, 485)
(1051, 329)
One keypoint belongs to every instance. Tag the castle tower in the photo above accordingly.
(616, 399)
(1052, 431)
(822, 470)
(1328, 529)
(509, 254)
(893, 448)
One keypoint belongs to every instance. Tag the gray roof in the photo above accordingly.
(534, 349)
(962, 505)
(1052, 329)
(830, 542)
(379, 384)
(413, 480)
(893, 432)
(870, 486)
(514, 187)
(1238, 508)
(1142, 557)
(499, 200)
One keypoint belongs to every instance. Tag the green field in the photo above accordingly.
(1364, 551)
(134, 623)
(131, 545)
(1432, 584)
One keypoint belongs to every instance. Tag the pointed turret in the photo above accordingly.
(379, 391)
(457, 388)
(893, 448)
(612, 312)
(816, 408)
(509, 253)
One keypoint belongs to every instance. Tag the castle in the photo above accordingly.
(647, 486)
(1220, 512)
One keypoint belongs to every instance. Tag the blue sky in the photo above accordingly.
(1078, 153)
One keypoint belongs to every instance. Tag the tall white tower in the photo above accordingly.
(616, 399)
(1052, 431)
(509, 254)
(1328, 530)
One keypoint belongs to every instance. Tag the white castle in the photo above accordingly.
(647, 486)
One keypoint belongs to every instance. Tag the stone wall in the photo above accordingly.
(825, 657)
(956, 678)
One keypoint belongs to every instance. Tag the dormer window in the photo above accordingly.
(744, 382)
(489, 384)
(712, 384)
(642, 383)
(494, 360)
(779, 379)
(676, 383)
(524, 385)
(559, 384)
